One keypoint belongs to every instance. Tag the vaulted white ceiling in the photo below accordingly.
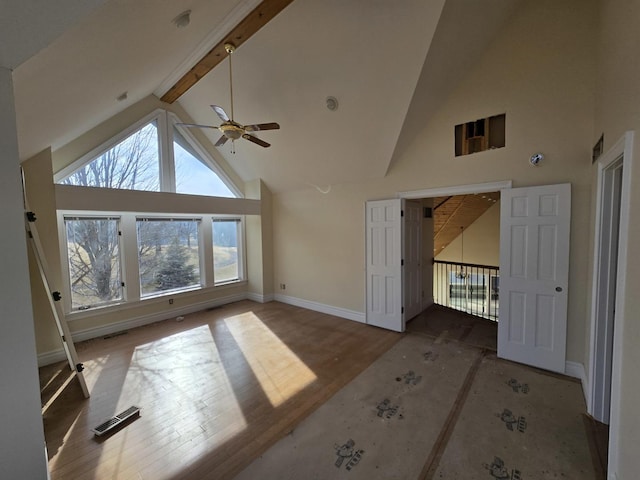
(369, 54)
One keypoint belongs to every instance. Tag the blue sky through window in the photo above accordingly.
(192, 175)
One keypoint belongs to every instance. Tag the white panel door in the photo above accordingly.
(534, 271)
(384, 270)
(412, 258)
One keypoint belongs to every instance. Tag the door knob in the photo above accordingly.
(558, 289)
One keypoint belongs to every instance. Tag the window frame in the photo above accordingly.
(209, 162)
(168, 218)
(242, 272)
(127, 218)
(64, 257)
(129, 264)
(166, 121)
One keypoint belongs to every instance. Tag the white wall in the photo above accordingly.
(319, 239)
(22, 454)
(618, 110)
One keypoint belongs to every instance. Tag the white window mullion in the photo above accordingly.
(167, 165)
(242, 267)
(129, 245)
(206, 257)
(64, 263)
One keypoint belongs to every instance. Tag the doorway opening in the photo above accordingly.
(448, 234)
(466, 253)
(603, 391)
(534, 257)
(606, 286)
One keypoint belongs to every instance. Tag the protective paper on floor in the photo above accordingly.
(518, 423)
(381, 425)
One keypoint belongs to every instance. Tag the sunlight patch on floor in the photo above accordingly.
(180, 364)
(175, 369)
(279, 370)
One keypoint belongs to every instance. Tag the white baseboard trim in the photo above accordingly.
(54, 356)
(82, 335)
(256, 297)
(47, 358)
(322, 308)
(576, 370)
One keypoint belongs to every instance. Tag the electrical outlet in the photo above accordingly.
(283, 286)
(171, 301)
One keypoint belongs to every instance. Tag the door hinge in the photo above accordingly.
(402, 262)
(402, 310)
(402, 213)
(122, 284)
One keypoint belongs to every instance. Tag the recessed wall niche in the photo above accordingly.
(480, 135)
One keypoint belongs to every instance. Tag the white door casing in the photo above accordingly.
(621, 150)
(534, 271)
(606, 267)
(412, 258)
(383, 228)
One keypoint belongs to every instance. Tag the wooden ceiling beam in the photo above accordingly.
(443, 202)
(257, 18)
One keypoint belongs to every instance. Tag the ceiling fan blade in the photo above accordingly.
(256, 140)
(221, 141)
(221, 113)
(195, 125)
(262, 126)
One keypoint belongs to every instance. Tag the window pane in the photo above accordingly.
(168, 255)
(193, 176)
(225, 250)
(94, 261)
(133, 164)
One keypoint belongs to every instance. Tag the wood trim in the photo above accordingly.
(248, 26)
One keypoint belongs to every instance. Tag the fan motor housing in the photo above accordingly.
(231, 130)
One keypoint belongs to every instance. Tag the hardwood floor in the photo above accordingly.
(216, 390)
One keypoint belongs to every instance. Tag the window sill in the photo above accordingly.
(152, 300)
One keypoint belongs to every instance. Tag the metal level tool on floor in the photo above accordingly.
(53, 296)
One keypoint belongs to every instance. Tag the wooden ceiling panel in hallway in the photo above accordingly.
(453, 214)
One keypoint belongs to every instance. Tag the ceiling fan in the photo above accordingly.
(232, 130)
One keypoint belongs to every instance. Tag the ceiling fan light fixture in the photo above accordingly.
(231, 131)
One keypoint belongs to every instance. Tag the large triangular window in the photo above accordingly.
(135, 160)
